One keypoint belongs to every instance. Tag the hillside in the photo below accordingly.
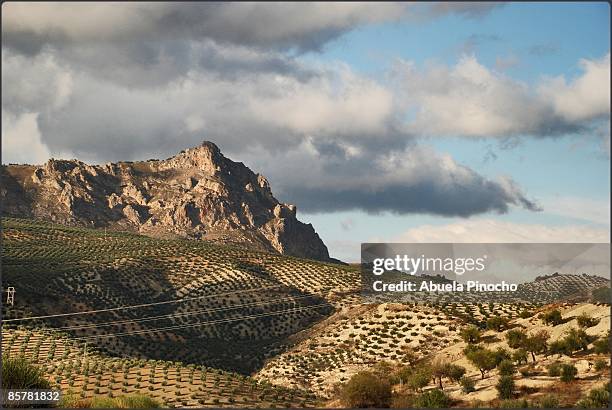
(222, 306)
(539, 382)
(358, 337)
(82, 372)
(198, 193)
(559, 287)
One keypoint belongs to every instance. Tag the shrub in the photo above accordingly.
(403, 401)
(548, 402)
(577, 339)
(514, 404)
(455, 372)
(525, 371)
(467, 384)
(483, 359)
(479, 404)
(505, 387)
(600, 364)
(470, 334)
(134, 401)
(519, 356)
(552, 318)
(497, 323)
(568, 372)
(500, 354)
(596, 399)
(506, 368)
(432, 399)
(419, 378)
(366, 390)
(554, 369)
(559, 347)
(536, 344)
(516, 338)
(20, 374)
(585, 321)
(382, 368)
(602, 346)
(525, 314)
(72, 401)
(401, 375)
(440, 369)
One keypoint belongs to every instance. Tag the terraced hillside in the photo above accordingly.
(563, 287)
(222, 306)
(358, 337)
(76, 370)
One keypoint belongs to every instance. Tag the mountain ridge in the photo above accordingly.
(198, 193)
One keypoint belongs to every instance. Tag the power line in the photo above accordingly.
(180, 314)
(136, 332)
(140, 305)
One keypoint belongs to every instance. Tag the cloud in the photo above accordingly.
(494, 231)
(414, 180)
(305, 26)
(101, 120)
(30, 27)
(338, 104)
(139, 80)
(34, 84)
(472, 100)
(20, 132)
(584, 98)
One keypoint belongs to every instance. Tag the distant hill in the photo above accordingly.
(562, 287)
(198, 193)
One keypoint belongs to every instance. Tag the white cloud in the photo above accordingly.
(493, 231)
(470, 99)
(585, 97)
(340, 103)
(21, 141)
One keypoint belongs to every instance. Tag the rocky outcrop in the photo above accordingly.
(198, 193)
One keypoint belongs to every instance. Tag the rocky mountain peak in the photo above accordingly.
(198, 193)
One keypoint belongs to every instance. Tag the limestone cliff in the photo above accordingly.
(198, 193)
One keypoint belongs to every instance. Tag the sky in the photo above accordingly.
(386, 122)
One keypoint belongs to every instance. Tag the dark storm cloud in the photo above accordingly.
(414, 179)
(303, 26)
(427, 197)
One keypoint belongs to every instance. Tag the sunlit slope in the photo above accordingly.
(223, 306)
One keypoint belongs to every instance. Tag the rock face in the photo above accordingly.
(198, 193)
